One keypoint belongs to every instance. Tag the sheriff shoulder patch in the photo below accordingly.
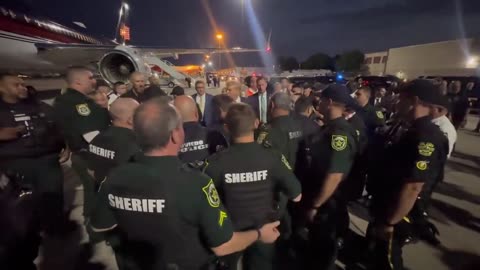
(422, 165)
(380, 115)
(339, 142)
(211, 194)
(83, 109)
(426, 149)
(285, 162)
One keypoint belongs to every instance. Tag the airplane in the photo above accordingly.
(32, 46)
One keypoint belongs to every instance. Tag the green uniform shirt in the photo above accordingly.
(361, 131)
(283, 134)
(168, 206)
(110, 148)
(248, 185)
(333, 151)
(76, 115)
(372, 118)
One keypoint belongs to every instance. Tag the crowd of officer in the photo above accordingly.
(207, 182)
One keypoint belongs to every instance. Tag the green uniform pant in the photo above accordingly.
(45, 176)
(79, 165)
(258, 256)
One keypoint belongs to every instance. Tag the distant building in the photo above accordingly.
(447, 58)
(376, 62)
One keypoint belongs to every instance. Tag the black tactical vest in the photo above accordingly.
(40, 136)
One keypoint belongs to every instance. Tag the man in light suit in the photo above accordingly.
(234, 90)
(259, 101)
(204, 102)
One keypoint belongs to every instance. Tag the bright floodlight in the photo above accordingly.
(219, 36)
(472, 62)
(125, 5)
(203, 66)
(210, 63)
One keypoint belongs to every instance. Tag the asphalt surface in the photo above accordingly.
(455, 211)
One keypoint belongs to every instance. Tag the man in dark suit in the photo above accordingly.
(204, 102)
(259, 101)
(234, 90)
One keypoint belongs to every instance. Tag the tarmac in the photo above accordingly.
(455, 211)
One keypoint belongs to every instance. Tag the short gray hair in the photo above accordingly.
(153, 123)
(282, 101)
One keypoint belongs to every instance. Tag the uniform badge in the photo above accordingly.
(221, 217)
(339, 142)
(83, 109)
(285, 162)
(426, 149)
(212, 194)
(380, 115)
(422, 165)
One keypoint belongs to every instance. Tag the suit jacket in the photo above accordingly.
(208, 117)
(253, 101)
(242, 99)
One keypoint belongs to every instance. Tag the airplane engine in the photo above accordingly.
(118, 64)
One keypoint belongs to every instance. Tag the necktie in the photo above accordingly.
(202, 104)
(263, 109)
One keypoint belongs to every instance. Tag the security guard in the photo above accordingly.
(117, 144)
(80, 120)
(248, 185)
(358, 176)
(303, 112)
(372, 117)
(198, 139)
(154, 213)
(333, 152)
(137, 79)
(407, 164)
(30, 145)
(284, 134)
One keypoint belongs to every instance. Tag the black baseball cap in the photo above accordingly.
(338, 93)
(177, 91)
(441, 101)
(425, 90)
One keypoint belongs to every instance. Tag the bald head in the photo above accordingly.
(158, 126)
(281, 101)
(137, 79)
(122, 110)
(81, 79)
(187, 108)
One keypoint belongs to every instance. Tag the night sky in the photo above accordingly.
(300, 27)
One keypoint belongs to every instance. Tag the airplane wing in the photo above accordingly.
(87, 54)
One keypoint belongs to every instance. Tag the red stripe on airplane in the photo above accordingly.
(34, 31)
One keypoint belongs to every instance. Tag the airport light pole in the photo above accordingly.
(219, 37)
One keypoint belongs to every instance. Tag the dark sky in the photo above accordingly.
(300, 27)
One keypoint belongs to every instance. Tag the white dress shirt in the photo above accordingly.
(448, 129)
(262, 106)
(111, 97)
(201, 104)
(238, 100)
